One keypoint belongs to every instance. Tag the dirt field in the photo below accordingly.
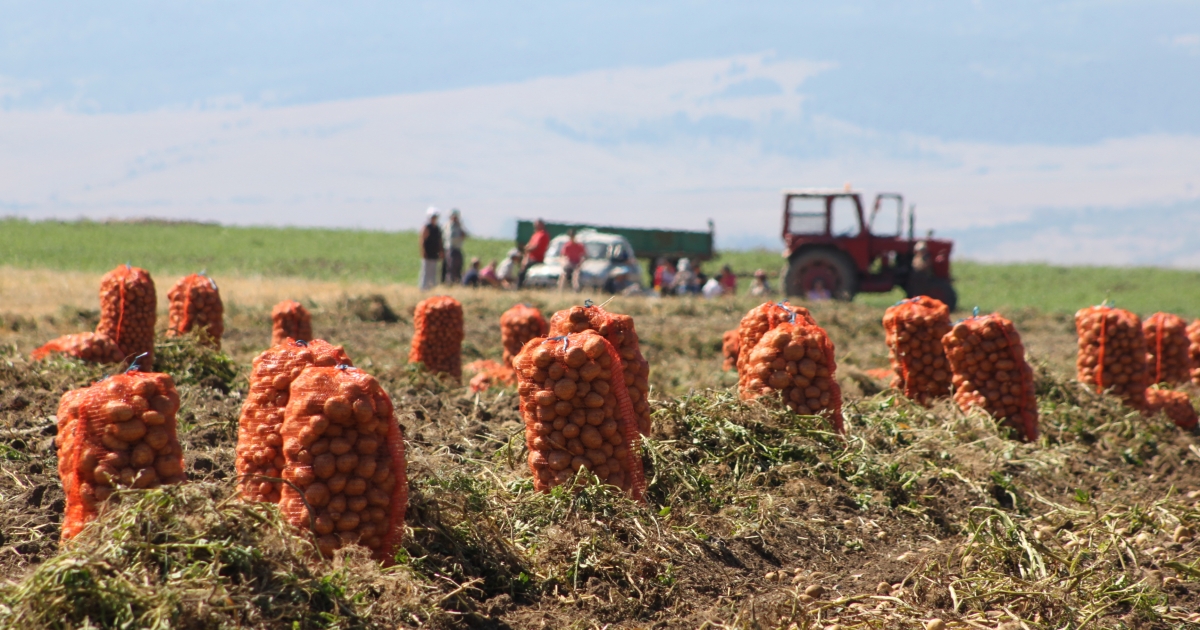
(754, 518)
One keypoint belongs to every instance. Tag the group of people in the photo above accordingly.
(446, 247)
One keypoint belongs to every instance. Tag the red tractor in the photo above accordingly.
(832, 251)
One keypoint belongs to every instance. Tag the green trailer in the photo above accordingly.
(647, 243)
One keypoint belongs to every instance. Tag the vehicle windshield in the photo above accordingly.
(807, 215)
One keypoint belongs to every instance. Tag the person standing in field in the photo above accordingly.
(431, 250)
(574, 253)
(452, 266)
(535, 249)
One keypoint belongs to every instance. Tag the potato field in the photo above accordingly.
(1017, 470)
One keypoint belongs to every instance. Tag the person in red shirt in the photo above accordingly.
(535, 249)
(573, 254)
(728, 281)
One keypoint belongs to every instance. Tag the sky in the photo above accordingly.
(1064, 132)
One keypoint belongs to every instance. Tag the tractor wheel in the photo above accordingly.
(824, 267)
(934, 287)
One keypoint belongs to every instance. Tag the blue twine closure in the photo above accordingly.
(134, 367)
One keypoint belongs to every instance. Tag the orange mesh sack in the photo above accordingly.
(127, 312)
(344, 451)
(259, 455)
(1167, 346)
(88, 346)
(619, 331)
(1193, 333)
(195, 301)
(915, 328)
(290, 320)
(438, 336)
(518, 325)
(577, 412)
(796, 360)
(1112, 353)
(758, 322)
(1176, 405)
(730, 342)
(117, 433)
(489, 374)
(987, 359)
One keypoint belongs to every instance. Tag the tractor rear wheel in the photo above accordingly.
(934, 287)
(810, 271)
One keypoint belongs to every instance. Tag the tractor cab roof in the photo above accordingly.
(820, 192)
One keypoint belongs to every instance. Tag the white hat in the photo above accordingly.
(431, 212)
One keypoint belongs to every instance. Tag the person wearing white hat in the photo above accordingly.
(431, 250)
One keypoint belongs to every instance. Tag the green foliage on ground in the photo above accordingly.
(367, 255)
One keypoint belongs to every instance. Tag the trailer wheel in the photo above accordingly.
(934, 287)
(829, 269)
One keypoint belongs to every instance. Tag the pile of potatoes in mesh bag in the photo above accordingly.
(290, 320)
(1112, 353)
(990, 372)
(618, 330)
(914, 329)
(438, 336)
(782, 349)
(126, 328)
(117, 433)
(518, 325)
(195, 302)
(577, 412)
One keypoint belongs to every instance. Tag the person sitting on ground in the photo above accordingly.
(684, 277)
(471, 278)
(712, 288)
(573, 253)
(759, 286)
(728, 281)
(487, 275)
(509, 272)
(818, 292)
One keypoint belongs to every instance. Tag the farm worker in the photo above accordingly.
(535, 249)
(728, 281)
(455, 235)
(921, 262)
(818, 292)
(487, 275)
(509, 271)
(471, 278)
(573, 252)
(684, 277)
(712, 288)
(431, 250)
(759, 286)
(664, 276)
